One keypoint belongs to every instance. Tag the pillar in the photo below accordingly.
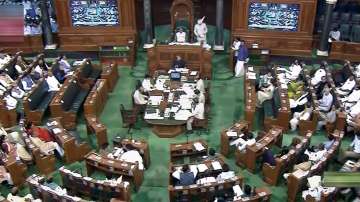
(148, 28)
(46, 27)
(324, 43)
(219, 35)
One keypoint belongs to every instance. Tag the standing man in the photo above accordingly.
(241, 59)
(200, 31)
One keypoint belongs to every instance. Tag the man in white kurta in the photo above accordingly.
(326, 101)
(197, 112)
(346, 88)
(304, 115)
(317, 76)
(52, 82)
(200, 30)
(139, 97)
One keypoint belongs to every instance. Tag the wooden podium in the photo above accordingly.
(197, 58)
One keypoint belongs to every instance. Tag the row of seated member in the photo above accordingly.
(210, 179)
(313, 162)
(99, 190)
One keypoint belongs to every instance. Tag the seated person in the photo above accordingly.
(8, 147)
(11, 102)
(16, 92)
(197, 113)
(353, 152)
(38, 71)
(315, 153)
(146, 83)
(42, 138)
(52, 82)
(20, 65)
(5, 79)
(321, 86)
(178, 63)
(327, 118)
(187, 177)
(347, 87)
(140, 98)
(298, 104)
(295, 89)
(226, 173)
(200, 85)
(341, 75)
(27, 82)
(241, 143)
(316, 79)
(59, 74)
(268, 157)
(265, 93)
(326, 101)
(52, 185)
(352, 98)
(334, 34)
(328, 144)
(294, 71)
(304, 115)
(265, 80)
(180, 36)
(65, 65)
(284, 150)
(131, 155)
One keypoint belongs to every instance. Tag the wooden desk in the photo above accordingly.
(44, 163)
(261, 194)
(16, 169)
(344, 50)
(102, 191)
(96, 99)
(141, 146)
(197, 58)
(181, 150)
(297, 183)
(250, 100)
(73, 151)
(93, 125)
(248, 158)
(108, 165)
(205, 191)
(111, 75)
(285, 162)
(239, 127)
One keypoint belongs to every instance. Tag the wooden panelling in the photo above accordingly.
(345, 50)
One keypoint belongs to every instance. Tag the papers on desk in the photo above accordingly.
(237, 190)
(155, 100)
(78, 62)
(198, 146)
(193, 73)
(231, 134)
(300, 173)
(202, 167)
(251, 75)
(251, 68)
(185, 103)
(174, 109)
(183, 115)
(56, 130)
(153, 115)
(181, 70)
(284, 86)
(237, 141)
(206, 180)
(216, 165)
(52, 123)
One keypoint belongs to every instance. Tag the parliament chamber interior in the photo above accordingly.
(180, 100)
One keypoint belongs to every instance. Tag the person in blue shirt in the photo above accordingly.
(186, 176)
(242, 57)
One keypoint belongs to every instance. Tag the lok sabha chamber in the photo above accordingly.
(180, 100)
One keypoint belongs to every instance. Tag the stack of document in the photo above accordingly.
(155, 100)
(202, 167)
(314, 181)
(56, 130)
(185, 103)
(198, 146)
(237, 190)
(153, 115)
(231, 134)
(251, 75)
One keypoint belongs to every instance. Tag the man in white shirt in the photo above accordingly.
(11, 102)
(139, 97)
(242, 143)
(199, 95)
(132, 156)
(317, 76)
(17, 93)
(5, 80)
(146, 83)
(64, 64)
(351, 99)
(180, 36)
(317, 154)
(52, 82)
(200, 85)
(326, 101)
(347, 87)
(353, 152)
(197, 113)
(325, 118)
(294, 70)
(334, 35)
(304, 115)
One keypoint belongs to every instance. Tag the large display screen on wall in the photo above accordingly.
(94, 12)
(273, 16)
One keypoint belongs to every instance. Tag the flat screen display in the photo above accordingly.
(94, 12)
(274, 16)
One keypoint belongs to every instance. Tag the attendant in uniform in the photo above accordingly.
(200, 31)
(235, 47)
(180, 36)
(197, 113)
(241, 59)
(52, 82)
(178, 63)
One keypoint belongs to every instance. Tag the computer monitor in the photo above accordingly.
(175, 76)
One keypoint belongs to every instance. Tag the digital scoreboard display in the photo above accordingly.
(273, 16)
(94, 12)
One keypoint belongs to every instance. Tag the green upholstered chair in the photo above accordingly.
(355, 19)
(344, 32)
(355, 33)
(345, 17)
